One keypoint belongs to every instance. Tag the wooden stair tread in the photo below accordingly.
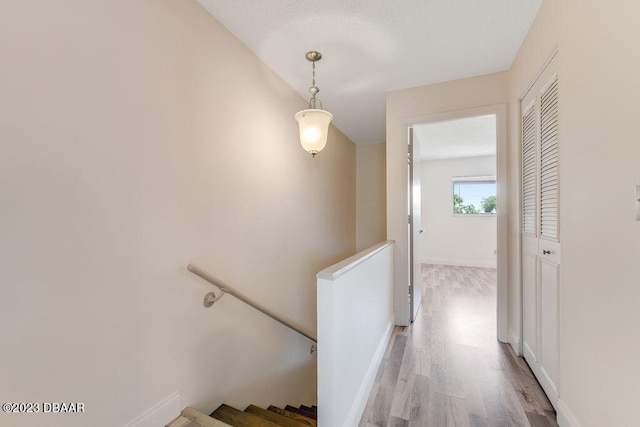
(308, 414)
(309, 408)
(182, 422)
(273, 417)
(200, 419)
(238, 418)
(300, 418)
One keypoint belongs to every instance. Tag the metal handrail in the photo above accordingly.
(210, 298)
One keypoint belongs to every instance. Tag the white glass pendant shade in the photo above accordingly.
(314, 128)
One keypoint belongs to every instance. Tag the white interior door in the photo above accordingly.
(415, 228)
(540, 255)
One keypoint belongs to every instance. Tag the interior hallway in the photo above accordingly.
(448, 369)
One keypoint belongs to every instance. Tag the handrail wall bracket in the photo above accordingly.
(211, 297)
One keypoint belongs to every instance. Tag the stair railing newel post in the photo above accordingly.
(210, 298)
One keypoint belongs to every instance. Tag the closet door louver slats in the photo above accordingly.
(529, 182)
(549, 161)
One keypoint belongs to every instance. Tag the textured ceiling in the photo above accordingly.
(371, 47)
(467, 137)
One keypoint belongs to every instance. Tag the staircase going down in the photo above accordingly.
(227, 416)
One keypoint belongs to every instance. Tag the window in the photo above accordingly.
(474, 195)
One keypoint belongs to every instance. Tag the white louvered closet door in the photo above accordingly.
(540, 228)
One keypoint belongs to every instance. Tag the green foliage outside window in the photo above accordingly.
(489, 204)
(460, 208)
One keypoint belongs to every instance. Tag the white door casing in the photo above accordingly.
(393, 220)
(415, 227)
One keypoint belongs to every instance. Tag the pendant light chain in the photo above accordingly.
(313, 89)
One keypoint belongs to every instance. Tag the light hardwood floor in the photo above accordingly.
(448, 369)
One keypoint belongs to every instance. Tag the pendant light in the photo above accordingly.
(314, 122)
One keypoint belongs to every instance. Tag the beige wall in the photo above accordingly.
(600, 168)
(599, 152)
(137, 137)
(418, 105)
(371, 223)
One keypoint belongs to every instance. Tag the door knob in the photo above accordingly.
(546, 252)
(421, 231)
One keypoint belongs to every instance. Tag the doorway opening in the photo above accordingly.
(463, 198)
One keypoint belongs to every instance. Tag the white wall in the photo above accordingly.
(125, 155)
(355, 320)
(450, 239)
(371, 220)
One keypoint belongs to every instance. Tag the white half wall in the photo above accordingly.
(355, 320)
(449, 239)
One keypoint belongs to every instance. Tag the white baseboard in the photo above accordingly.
(160, 414)
(360, 401)
(461, 262)
(401, 319)
(514, 340)
(565, 416)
